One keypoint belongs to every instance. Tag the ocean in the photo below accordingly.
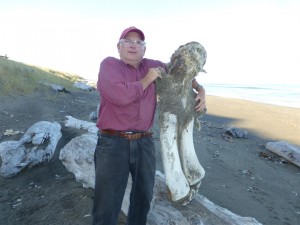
(275, 94)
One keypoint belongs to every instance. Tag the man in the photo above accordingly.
(125, 145)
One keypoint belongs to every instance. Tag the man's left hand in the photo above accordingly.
(200, 100)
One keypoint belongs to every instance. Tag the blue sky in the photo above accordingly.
(253, 41)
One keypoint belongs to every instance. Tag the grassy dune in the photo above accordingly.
(19, 78)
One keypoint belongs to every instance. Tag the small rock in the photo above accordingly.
(236, 132)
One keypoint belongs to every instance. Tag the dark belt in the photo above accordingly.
(129, 135)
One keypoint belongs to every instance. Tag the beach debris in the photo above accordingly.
(78, 157)
(78, 100)
(265, 155)
(273, 158)
(94, 115)
(11, 132)
(36, 146)
(10, 115)
(18, 203)
(216, 154)
(288, 151)
(247, 172)
(249, 189)
(236, 132)
(33, 185)
(84, 86)
(55, 87)
(81, 124)
(227, 138)
(59, 88)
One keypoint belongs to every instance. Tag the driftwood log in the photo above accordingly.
(35, 147)
(285, 150)
(78, 155)
(55, 87)
(84, 86)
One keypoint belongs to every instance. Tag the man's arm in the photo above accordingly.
(200, 99)
(152, 75)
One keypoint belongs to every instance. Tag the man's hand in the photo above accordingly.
(200, 100)
(152, 75)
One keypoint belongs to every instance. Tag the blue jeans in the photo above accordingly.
(116, 157)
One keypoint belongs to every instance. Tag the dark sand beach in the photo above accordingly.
(241, 175)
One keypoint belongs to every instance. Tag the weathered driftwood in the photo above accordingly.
(83, 86)
(78, 155)
(285, 150)
(94, 115)
(36, 146)
(81, 124)
(11, 132)
(55, 87)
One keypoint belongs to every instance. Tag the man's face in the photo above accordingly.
(131, 49)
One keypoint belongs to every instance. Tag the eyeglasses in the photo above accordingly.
(128, 43)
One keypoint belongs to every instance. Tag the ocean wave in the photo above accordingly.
(275, 94)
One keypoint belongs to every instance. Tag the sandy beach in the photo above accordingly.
(266, 121)
(241, 175)
(237, 176)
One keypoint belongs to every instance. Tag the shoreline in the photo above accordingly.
(287, 95)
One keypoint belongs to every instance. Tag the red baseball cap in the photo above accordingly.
(132, 29)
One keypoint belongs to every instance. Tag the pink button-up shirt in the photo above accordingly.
(124, 104)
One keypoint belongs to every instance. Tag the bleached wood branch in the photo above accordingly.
(81, 124)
